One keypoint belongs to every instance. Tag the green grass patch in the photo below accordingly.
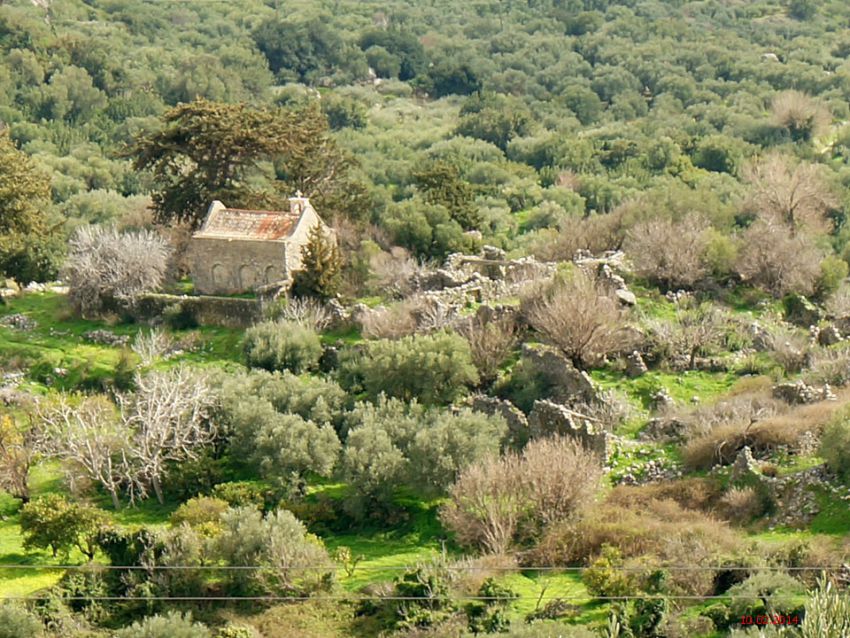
(834, 515)
(682, 386)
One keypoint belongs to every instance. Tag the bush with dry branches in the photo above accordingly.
(596, 234)
(390, 322)
(104, 264)
(151, 345)
(696, 329)
(580, 316)
(777, 260)
(800, 114)
(645, 528)
(669, 252)
(499, 501)
(796, 195)
(393, 273)
(304, 311)
(490, 343)
(763, 436)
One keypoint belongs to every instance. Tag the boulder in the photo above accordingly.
(635, 365)
(800, 311)
(626, 297)
(664, 430)
(548, 418)
(570, 384)
(745, 466)
(829, 336)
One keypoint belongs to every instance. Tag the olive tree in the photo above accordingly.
(435, 368)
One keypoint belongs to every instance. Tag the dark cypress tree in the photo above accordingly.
(321, 266)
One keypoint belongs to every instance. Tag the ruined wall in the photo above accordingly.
(206, 311)
(230, 266)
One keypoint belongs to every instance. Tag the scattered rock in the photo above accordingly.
(635, 365)
(493, 253)
(664, 430)
(662, 401)
(762, 341)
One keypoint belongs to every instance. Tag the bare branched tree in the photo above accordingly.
(696, 329)
(305, 311)
(778, 260)
(671, 253)
(484, 507)
(167, 419)
(580, 316)
(104, 264)
(390, 322)
(88, 439)
(794, 194)
(151, 345)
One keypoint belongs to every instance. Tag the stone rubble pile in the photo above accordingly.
(19, 322)
(800, 393)
(106, 338)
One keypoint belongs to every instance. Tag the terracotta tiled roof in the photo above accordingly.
(236, 223)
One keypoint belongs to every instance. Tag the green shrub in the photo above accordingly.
(835, 445)
(605, 576)
(172, 625)
(52, 522)
(490, 614)
(240, 494)
(199, 511)
(282, 346)
(833, 271)
(766, 592)
(278, 542)
(433, 369)
(16, 622)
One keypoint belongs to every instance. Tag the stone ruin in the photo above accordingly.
(518, 431)
(471, 278)
(793, 498)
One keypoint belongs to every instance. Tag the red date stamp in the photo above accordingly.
(770, 619)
